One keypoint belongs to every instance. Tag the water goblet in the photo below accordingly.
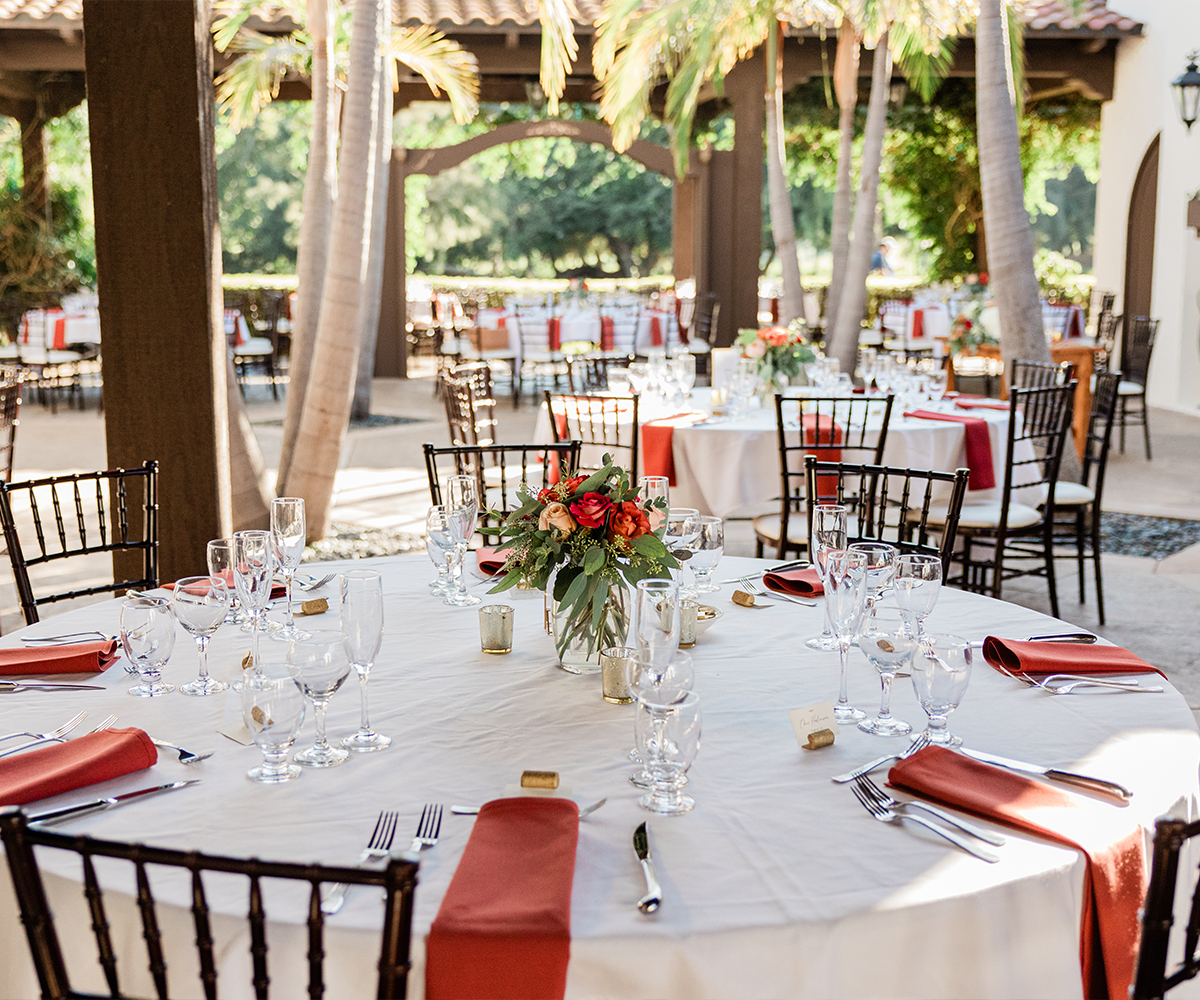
(273, 710)
(656, 686)
(319, 665)
(710, 547)
(219, 554)
(935, 384)
(941, 671)
(845, 584)
(881, 564)
(200, 603)
(252, 572)
(868, 365)
(148, 637)
(685, 371)
(618, 382)
(439, 544)
(462, 498)
(655, 630)
(888, 649)
(668, 741)
(828, 534)
(917, 583)
(362, 622)
(288, 535)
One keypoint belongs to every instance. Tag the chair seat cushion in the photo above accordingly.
(766, 527)
(255, 346)
(1130, 388)
(1068, 494)
(987, 515)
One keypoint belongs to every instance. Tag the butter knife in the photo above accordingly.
(1100, 785)
(641, 843)
(52, 816)
(10, 687)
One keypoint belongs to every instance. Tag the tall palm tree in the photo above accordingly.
(845, 85)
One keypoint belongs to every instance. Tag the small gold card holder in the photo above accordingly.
(545, 780)
(821, 738)
(815, 726)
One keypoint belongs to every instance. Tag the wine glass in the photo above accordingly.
(845, 583)
(252, 572)
(319, 664)
(870, 361)
(941, 671)
(288, 534)
(148, 636)
(917, 583)
(200, 603)
(881, 564)
(935, 384)
(219, 554)
(362, 622)
(439, 544)
(681, 538)
(656, 491)
(273, 710)
(828, 534)
(462, 499)
(888, 649)
(668, 741)
(710, 546)
(655, 629)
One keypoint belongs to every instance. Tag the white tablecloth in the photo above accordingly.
(778, 884)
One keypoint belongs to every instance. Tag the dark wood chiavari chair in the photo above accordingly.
(603, 423)
(1136, 350)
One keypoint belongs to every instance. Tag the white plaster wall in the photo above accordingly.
(1142, 107)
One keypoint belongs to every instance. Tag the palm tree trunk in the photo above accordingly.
(326, 410)
(320, 187)
(845, 84)
(783, 228)
(844, 343)
(361, 408)
(251, 495)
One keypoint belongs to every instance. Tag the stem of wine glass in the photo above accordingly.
(939, 729)
(364, 725)
(843, 683)
(885, 705)
(202, 648)
(289, 621)
(319, 706)
(274, 761)
(461, 583)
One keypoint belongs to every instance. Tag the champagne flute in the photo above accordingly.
(846, 600)
(710, 547)
(941, 671)
(319, 665)
(148, 637)
(288, 533)
(657, 493)
(200, 603)
(362, 622)
(828, 534)
(918, 582)
(252, 571)
(273, 710)
(462, 498)
(219, 554)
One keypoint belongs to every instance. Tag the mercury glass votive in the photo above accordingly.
(614, 673)
(496, 628)
(688, 611)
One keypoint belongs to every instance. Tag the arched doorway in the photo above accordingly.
(1139, 240)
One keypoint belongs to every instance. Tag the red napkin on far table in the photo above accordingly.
(277, 589)
(608, 336)
(655, 332)
(981, 404)
(1115, 882)
(491, 561)
(63, 767)
(658, 456)
(504, 927)
(554, 333)
(77, 658)
(918, 323)
(802, 582)
(979, 446)
(1019, 657)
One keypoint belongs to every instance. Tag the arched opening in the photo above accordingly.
(1139, 240)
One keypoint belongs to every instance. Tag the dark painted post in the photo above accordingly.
(391, 345)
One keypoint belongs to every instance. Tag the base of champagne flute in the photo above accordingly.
(151, 689)
(462, 600)
(287, 632)
(368, 742)
(273, 776)
(885, 727)
(667, 805)
(823, 641)
(201, 687)
(846, 714)
(328, 756)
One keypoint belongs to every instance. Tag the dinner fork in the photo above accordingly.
(886, 815)
(1078, 680)
(774, 595)
(68, 638)
(48, 738)
(428, 828)
(919, 743)
(377, 847)
(316, 584)
(873, 791)
(185, 756)
(62, 730)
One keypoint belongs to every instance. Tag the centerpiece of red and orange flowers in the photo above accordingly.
(588, 538)
(780, 352)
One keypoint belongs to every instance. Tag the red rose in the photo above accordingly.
(547, 495)
(628, 521)
(967, 324)
(591, 510)
(572, 484)
(983, 278)
(777, 337)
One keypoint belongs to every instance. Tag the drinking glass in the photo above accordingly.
(935, 384)
(220, 563)
(362, 622)
(685, 371)
(681, 539)
(200, 603)
(654, 489)
(148, 636)
(710, 547)
(463, 500)
(845, 583)
(668, 741)
(917, 583)
(888, 650)
(828, 534)
(288, 533)
(439, 544)
(941, 671)
(868, 365)
(656, 686)
(618, 381)
(655, 629)
(273, 710)
(319, 665)
(881, 564)
(252, 572)
(639, 377)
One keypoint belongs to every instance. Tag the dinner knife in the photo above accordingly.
(641, 843)
(9, 687)
(1083, 637)
(1067, 777)
(52, 816)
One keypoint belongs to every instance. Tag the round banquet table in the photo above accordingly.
(777, 884)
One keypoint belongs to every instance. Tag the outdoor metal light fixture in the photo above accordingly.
(1187, 92)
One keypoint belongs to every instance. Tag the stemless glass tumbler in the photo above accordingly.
(655, 631)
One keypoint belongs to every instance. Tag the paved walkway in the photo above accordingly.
(1152, 605)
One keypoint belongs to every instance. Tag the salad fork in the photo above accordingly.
(886, 815)
(316, 584)
(429, 827)
(62, 730)
(919, 743)
(873, 791)
(377, 848)
(60, 738)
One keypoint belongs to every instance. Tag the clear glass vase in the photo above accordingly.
(579, 641)
(768, 385)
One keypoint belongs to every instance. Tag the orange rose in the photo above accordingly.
(556, 516)
(628, 521)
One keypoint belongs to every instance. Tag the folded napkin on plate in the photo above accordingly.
(491, 561)
(981, 404)
(1111, 840)
(658, 456)
(504, 926)
(1017, 657)
(77, 658)
(63, 767)
(803, 582)
(979, 446)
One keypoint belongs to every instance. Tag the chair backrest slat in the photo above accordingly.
(95, 901)
(1100, 427)
(150, 931)
(608, 421)
(204, 938)
(258, 939)
(316, 944)
(10, 408)
(1138, 348)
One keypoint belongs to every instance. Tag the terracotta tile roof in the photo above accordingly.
(55, 11)
(1093, 16)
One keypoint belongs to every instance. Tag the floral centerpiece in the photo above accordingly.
(781, 354)
(967, 332)
(591, 536)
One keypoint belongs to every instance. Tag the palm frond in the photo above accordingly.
(252, 80)
(1016, 55)
(444, 65)
(559, 47)
(923, 69)
(231, 15)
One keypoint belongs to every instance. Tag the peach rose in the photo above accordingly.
(627, 520)
(756, 349)
(556, 516)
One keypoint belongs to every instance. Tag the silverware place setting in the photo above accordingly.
(919, 743)
(641, 846)
(873, 791)
(1101, 785)
(429, 828)
(888, 814)
(774, 595)
(67, 638)
(377, 849)
(58, 735)
(52, 816)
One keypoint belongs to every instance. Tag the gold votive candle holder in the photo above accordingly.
(614, 673)
(496, 628)
(688, 612)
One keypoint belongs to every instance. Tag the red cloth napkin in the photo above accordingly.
(979, 446)
(77, 658)
(820, 429)
(802, 582)
(981, 404)
(655, 332)
(554, 333)
(60, 333)
(277, 589)
(491, 561)
(1074, 323)
(63, 767)
(683, 332)
(1115, 882)
(658, 456)
(918, 326)
(504, 926)
(608, 336)
(1018, 657)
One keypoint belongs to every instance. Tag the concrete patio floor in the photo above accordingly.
(1152, 605)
